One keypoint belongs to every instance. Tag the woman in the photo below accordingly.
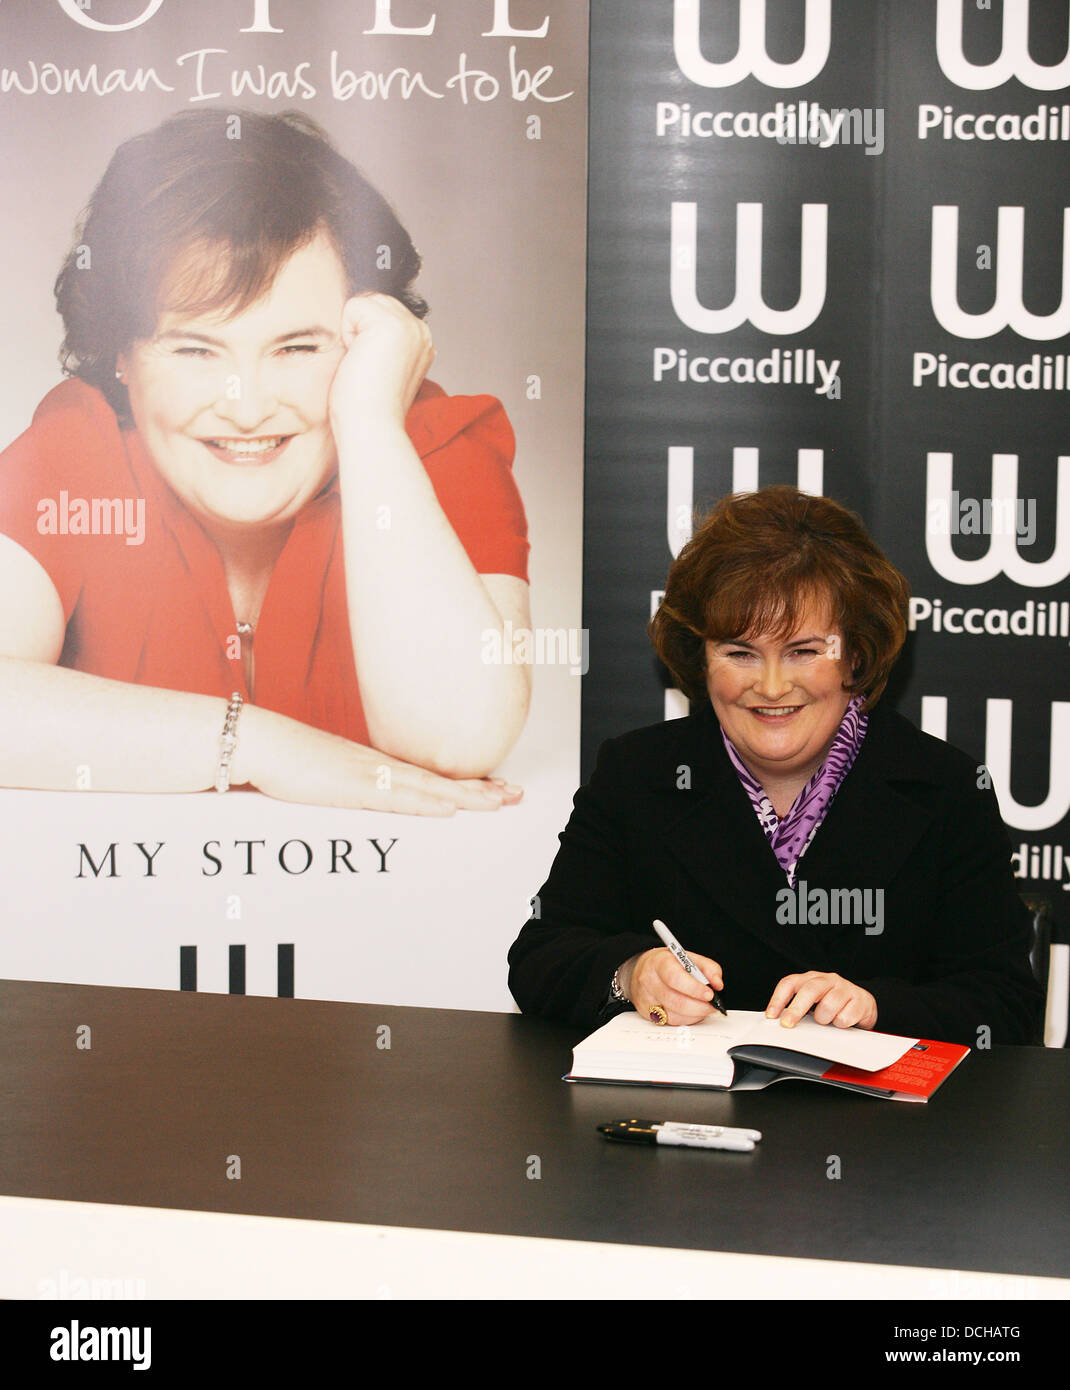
(248, 542)
(809, 848)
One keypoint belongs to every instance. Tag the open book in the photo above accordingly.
(747, 1051)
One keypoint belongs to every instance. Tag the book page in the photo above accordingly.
(631, 1035)
(853, 1047)
(628, 1035)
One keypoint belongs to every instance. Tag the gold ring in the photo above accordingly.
(659, 1016)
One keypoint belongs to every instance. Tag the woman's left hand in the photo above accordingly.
(387, 355)
(837, 1001)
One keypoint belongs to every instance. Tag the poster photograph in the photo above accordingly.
(290, 491)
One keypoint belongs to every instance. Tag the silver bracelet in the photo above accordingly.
(615, 989)
(228, 742)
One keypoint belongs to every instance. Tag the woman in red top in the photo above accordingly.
(249, 508)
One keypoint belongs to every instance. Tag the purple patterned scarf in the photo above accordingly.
(790, 838)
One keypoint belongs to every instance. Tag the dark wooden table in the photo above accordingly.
(448, 1126)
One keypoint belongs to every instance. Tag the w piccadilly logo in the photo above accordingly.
(800, 366)
(998, 720)
(752, 57)
(680, 490)
(748, 304)
(1008, 309)
(1014, 59)
(1010, 522)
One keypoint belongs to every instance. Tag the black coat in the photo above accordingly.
(665, 829)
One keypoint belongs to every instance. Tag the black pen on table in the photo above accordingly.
(682, 1135)
(686, 961)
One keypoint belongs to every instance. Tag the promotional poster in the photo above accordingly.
(291, 491)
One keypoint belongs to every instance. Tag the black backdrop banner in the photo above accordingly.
(829, 245)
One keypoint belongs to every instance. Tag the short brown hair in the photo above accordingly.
(753, 563)
(248, 202)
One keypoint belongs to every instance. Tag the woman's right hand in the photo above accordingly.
(291, 761)
(658, 978)
(387, 354)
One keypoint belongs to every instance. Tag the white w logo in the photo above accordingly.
(751, 56)
(748, 303)
(1003, 553)
(998, 718)
(681, 490)
(1008, 309)
(1013, 61)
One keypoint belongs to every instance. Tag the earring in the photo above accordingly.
(118, 374)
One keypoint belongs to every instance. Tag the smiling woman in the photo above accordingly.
(781, 622)
(234, 412)
(249, 365)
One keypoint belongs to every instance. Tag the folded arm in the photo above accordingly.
(66, 730)
(419, 613)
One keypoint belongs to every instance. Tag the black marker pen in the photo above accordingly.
(688, 1136)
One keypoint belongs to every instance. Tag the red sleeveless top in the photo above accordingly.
(159, 613)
